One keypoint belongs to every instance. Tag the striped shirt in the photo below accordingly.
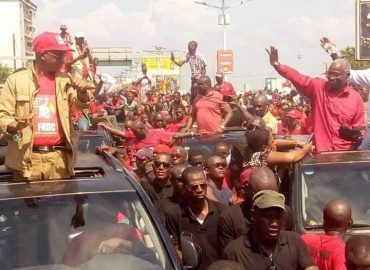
(197, 64)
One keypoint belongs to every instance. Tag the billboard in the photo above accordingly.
(160, 65)
(362, 30)
(225, 61)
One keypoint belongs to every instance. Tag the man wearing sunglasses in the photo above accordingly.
(338, 110)
(179, 155)
(163, 205)
(197, 215)
(34, 113)
(161, 186)
(266, 246)
(216, 170)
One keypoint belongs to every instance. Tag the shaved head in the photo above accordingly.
(262, 178)
(343, 63)
(357, 252)
(261, 98)
(337, 215)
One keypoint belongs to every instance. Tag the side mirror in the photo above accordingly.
(191, 252)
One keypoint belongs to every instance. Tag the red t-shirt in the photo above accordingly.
(182, 122)
(283, 130)
(208, 111)
(156, 136)
(46, 123)
(227, 89)
(326, 251)
(94, 108)
(329, 109)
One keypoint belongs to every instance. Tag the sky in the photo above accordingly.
(293, 26)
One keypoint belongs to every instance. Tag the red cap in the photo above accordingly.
(295, 114)
(48, 41)
(162, 148)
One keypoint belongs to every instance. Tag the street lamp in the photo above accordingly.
(224, 19)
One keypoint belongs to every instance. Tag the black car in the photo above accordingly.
(100, 219)
(207, 143)
(322, 177)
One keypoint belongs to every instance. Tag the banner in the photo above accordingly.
(160, 64)
(225, 61)
(362, 30)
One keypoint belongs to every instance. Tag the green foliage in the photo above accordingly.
(5, 71)
(349, 54)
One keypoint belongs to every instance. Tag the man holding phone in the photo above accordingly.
(35, 115)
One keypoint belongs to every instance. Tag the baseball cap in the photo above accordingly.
(63, 26)
(219, 75)
(49, 41)
(267, 199)
(162, 148)
(295, 114)
(79, 34)
(144, 153)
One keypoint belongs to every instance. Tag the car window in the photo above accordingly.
(322, 183)
(85, 231)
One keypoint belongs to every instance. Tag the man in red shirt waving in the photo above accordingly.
(337, 109)
(34, 114)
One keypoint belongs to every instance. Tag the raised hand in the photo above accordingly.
(327, 45)
(274, 56)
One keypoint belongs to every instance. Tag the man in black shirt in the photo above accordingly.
(164, 204)
(196, 215)
(234, 221)
(266, 246)
(161, 187)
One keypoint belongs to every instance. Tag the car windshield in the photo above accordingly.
(322, 183)
(84, 231)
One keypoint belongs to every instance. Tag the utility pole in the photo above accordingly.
(224, 18)
(14, 54)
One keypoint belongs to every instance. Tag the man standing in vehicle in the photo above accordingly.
(337, 108)
(34, 114)
(208, 107)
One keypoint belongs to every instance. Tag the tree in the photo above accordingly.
(349, 54)
(5, 71)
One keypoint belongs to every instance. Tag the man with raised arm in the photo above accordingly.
(337, 109)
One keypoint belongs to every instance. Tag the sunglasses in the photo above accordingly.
(195, 187)
(218, 165)
(57, 56)
(164, 164)
(196, 163)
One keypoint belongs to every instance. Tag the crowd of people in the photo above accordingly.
(233, 201)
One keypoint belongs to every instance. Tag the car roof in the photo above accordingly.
(93, 174)
(336, 157)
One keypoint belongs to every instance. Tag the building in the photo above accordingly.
(17, 21)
